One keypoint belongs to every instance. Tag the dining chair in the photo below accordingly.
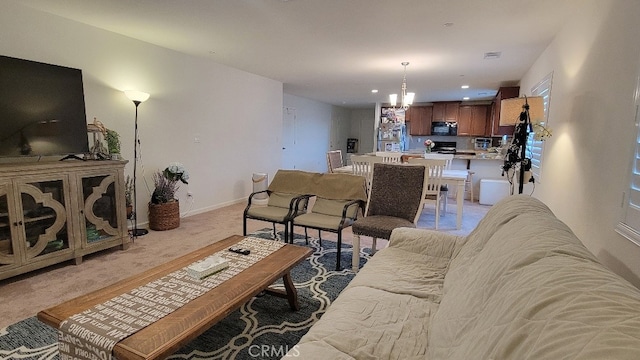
(434, 170)
(390, 156)
(362, 165)
(444, 187)
(396, 197)
(334, 160)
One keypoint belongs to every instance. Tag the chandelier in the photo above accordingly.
(407, 98)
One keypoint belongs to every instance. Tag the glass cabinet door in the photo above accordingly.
(7, 254)
(44, 217)
(100, 208)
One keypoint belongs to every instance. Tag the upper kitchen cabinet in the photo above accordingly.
(503, 93)
(419, 118)
(473, 119)
(446, 111)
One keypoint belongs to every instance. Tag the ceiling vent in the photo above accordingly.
(492, 55)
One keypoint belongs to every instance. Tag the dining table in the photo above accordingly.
(453, 178)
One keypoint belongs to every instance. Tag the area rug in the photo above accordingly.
(263, 328)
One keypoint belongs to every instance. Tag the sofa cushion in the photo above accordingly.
(367, 323)
(528, 289)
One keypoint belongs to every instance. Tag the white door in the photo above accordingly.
(288, 138)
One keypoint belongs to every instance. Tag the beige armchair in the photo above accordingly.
(339, 200)
(286, 201)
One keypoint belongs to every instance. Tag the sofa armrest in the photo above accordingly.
(426, 242)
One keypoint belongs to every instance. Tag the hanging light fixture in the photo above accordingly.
(407, 98)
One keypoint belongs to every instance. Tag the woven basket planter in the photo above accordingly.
(164, 216)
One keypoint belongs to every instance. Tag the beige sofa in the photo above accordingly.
(520, 286)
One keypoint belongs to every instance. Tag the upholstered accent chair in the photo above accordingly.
(339, 199)
(286, 201)
(395, 200)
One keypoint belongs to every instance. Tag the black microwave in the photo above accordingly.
(444, 128)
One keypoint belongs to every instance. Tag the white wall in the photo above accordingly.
(315, 122)
(595, 60)
(236, 115)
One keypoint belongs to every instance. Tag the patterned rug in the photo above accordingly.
(263, 328)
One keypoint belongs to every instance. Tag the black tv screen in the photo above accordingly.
(42, 109)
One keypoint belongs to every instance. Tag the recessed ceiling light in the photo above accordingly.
(465, 86)
(465, 98)
(375, 91)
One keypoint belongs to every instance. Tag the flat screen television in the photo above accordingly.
(42, 110)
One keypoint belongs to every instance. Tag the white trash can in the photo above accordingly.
(492, 191)
(260, 182)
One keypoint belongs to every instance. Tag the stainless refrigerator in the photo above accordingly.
(392, 137)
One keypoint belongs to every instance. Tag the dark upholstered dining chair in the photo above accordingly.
(395, 200)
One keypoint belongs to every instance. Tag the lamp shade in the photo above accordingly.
(510, 110)
(135, 95)
(393, 99)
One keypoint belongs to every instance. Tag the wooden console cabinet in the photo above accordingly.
(56, 211)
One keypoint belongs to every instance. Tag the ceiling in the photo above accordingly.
(337, 51)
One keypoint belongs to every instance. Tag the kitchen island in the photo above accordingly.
(483, 164)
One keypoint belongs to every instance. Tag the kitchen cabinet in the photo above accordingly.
(472, 120)
(419, 118)
(503, 93)
(51, 212)
(446, 111)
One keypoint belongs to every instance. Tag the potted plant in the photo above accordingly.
(113, 143)
(164, 208)
(128, 195)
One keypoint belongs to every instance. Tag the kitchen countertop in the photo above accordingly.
(466, 155)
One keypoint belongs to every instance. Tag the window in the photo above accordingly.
(535, 148)
(629, 226)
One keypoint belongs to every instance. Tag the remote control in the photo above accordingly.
(241, 251)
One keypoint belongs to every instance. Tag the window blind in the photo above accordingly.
(629, 226)
(535, 148)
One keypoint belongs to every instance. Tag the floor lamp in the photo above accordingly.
(137, 97)
(520, 112)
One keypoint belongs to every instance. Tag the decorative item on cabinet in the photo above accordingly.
(113, 144)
